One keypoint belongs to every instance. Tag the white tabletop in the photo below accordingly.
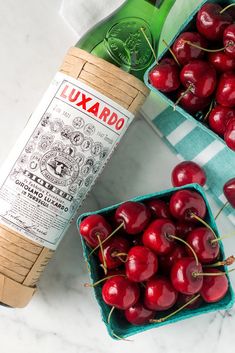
(63, 317)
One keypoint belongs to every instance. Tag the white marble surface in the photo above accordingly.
(63, 317)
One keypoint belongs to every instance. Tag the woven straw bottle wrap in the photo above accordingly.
(22, 261)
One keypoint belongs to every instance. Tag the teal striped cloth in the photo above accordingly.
(190, 142)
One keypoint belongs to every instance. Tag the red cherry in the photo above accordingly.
(221, 61)
(229, 191)
(229, 40)
(165, 76)
(184, 228)
(191, 103)
(187, 173)
(134, 215)
(225, 94)
(141, 264)
(183, 276)
(156, 237)
(200, 239)
(211, 23)
(183, 299)
(159, 208)
(200, 76)
(120, 292)
(159, 294)
(229, 135)
(111, 248)
(219, 118)
(138, 314)
(185, 52)
(214, 288)
(185, 203)
(94, 227)
(167, 261)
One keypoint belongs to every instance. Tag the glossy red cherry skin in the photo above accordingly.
(201, 75)
(229, 191)
(211, 23)
(214, 287)
(188, 173)
(229, 135)
(138, 314)
(200, 240)
(225, 94)
(184, 203)
(219, 118)
(92, 227)
(159, 208)
(191, 103)
(182, 276)
(183, 228)
(141, 264)
(165, 76)
(221, 61)
(167, 261)
(120, 292)
(159, 294)
(134, 215)
(229, 40)
(156, 237)
(185, 52)
(112, 247)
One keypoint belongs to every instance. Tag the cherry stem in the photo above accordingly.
(150, 45)
(227, 262)
(119, 255)
(89, 285)
(208, 113)
(222, 238)
(182, 95)
(162, 319)
(204, 223)
(198, 274)
(120, 338)
(104, 265)
(110, 314)
(172, 53)
(221, 210)
(226, 8)
(106, 239)
(185, 243)
(205, 49)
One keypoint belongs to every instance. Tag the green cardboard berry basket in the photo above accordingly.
(189, 24)
(119, 327)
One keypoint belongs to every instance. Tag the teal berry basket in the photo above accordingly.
(189, 25)
(119, 327)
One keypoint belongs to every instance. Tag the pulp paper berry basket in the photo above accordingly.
(189, 25)
(119, 327)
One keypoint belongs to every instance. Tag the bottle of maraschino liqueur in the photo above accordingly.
(69, 139)
(119, 40)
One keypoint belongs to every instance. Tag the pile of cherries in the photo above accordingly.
(201, 77)
(157, 256)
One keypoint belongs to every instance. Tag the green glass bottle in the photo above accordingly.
(118, 39)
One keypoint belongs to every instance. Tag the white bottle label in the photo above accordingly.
(60, 154)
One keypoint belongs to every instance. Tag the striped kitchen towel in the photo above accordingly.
(190, 142)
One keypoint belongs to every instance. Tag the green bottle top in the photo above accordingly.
(119, 40)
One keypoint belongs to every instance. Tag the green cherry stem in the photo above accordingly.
(150, 45)
(185, 243)
(205, 49)
(199, 274)
(204, 223)
(227, 262)
(226, 8)
(171, 51)
(89, 285)
(189, 89)
(162, 319)
(104, 241)
(221, 210)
